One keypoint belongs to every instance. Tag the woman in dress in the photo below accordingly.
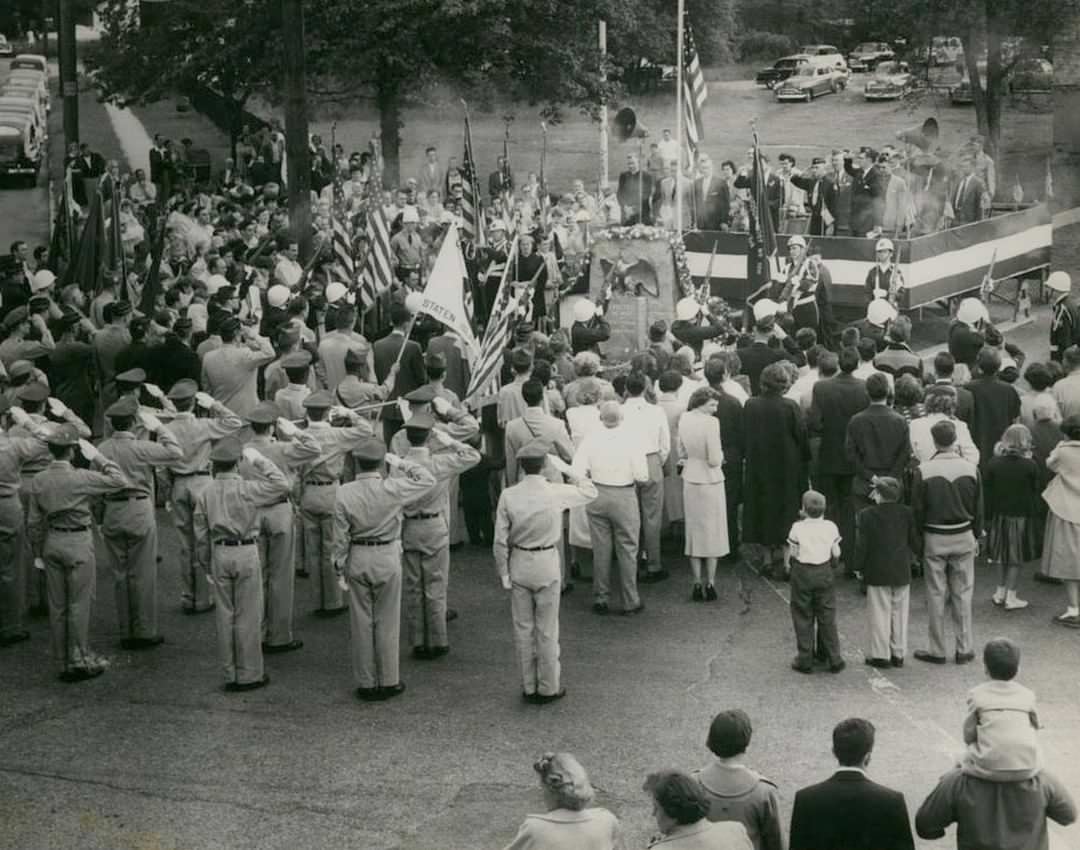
(568, 822)
(777, 458)
(704, 504)
(680, 806)
(1061, 548)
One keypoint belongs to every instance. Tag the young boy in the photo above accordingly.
(812, 546)
(1001, 722)
(886, 540)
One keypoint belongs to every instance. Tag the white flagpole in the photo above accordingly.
(679, 116)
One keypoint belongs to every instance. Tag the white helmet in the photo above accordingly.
(1058, 281)
(687, 309)
(410, 216)
(884, 245)
(765, 309)
(880, 312)
(277, 295)
(42, 280)
(796, 240)
(584, 310)
(335, 292)
(972, 311)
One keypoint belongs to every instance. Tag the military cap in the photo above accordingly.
(264, 413)
(63, 434)
(421, 421)
(351, 391)
(21, 369)
(15, 317)
(818, 160)
(421, 395)
(370, 449)
(120, 308)
(226, 293)
(355, 356)
(183, 389)
(227, 450)
(126, 406)
(70, 319)
(534, 449)
(183, 324)
(132, 376)
(35, 391)
(229, 325)
(296, 359)
(435, 360)
(318, 401)
(38, 302)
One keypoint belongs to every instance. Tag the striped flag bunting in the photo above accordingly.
(378, 272)
(472, 223)
(694, 92)
(341, 242)
(500, 329)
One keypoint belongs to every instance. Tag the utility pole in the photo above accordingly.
(603, 106)
(297, 147)
(69, 71)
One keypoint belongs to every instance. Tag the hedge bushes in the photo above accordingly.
(757, 46)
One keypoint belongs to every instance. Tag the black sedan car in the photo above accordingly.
(779, 72)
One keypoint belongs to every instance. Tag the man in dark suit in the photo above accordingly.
(997, 405)
(712, 199)
(411, 373)
(729, 410)
(635, 193)
(969, 196)
(849, 811)
(815, 186)
(500, 181)
(759, 354)
(838, 185)
(868, 187)
(878, 443)
(157, 157)
(834, 401)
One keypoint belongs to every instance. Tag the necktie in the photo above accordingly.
(813, 196)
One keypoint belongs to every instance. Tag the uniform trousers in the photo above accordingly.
(317, 512)
(733, 487)
(887, 615)
(426, 573)
(276, 538)
(650, 496)
(614, 526)
(185, 490)
(374, 576)
(130, 535)
(70, 575)
(238, 590)
(813, 600)
(12, 571)
(949, 570)
(534, 607)
(33, 581)
(837, 492)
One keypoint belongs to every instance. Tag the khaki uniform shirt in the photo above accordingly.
(59, 497)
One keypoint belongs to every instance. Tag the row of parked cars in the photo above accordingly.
(24, 108)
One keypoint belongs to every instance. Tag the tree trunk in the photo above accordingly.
(388, 99)
(995, 87)
(978, 84)
(297, 146)
(236, 121)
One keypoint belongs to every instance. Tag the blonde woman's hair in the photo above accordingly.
(563, 774)
(1015, 441)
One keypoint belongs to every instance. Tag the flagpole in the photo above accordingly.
(679, 116)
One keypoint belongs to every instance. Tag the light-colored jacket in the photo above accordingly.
(704, 835)
(565, 829)
(699, 443)
(1063, 493)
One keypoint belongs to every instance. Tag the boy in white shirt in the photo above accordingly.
(813, 545)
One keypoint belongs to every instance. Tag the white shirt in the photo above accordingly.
(612, 456)
(812, 540)
(668, 149)
(583, 420)
(922, 442)
(651, 424)
(801, 391)
(867, 368)
(686, 389)
(734, 389)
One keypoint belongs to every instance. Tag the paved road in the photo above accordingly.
(24, 213)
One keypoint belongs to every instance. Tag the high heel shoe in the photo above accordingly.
(697, 595)
(710, 593)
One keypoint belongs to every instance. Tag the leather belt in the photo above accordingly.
(69, 529)
(370, 541)
(534, 548)
(423, 516)
(139, 497)
(247, 541)
(191, 474)
(326, 483)
(601, 484)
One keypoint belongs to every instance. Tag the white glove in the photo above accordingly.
(441, 405)
(252, 455)
(150, 421)
(39, 564)
(392, 459)
(19, 416)
(343, 583)
(286, 428)
(505, 582)
(559, 464)
(599, 311)
(405, 408)
(56, 407)
(204, 400)
(442, 438)
(88, 450)
(339, 412)
(154, 390)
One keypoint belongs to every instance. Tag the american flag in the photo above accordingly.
(694, 92)
(341, 237)
(378, 272)
(471, 222)
(500, 327)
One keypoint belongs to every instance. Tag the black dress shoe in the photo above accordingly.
(369, 694)
(278, 648)
(14, 638)
(303, 574)
(81, 674)
(878, 662)
(451, 615)
(439, 651)
(327, 613)
(710, 593)
(697, 595)
(600, 608)
(629, 612)
(801, 668)
(392, 691)
(653, 578)
(237, 687)
(529, 698)
(838, 667)
(896, 661)
(965, 657)
(568, 589)
(192, 610)
(929, 658)
(422, 653)
(544, 699)
(142, 643)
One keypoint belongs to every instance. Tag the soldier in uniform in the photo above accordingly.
(694, 325)
(58, 526)
(290, 399)
(367, 556)
(884, 279)
(191, 475)
(319, 489)
(425, 534)
(492, 261)
(129, 527)
(529, 272)
(589, 328)
(226, 520)
(799, 294)
(277, 529)
(528, 531)
(1065, 319)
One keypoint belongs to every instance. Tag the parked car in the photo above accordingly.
(6, 48)
(20, 151)
(28, 88)
(811, 81)
(24, 106)
(647, 77)
(891, 81)
(1031, 75)
(781, 70)
(945, 50)
(30, 60)
(867, 55)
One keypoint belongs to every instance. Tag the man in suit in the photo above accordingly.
(834, 401)
(969, 197)
(759, 354)
(712, 198)
(815, 186)
(849, 811)
(877, 442)
(867, 192)
(432, 177)
(411, 374)
(838, 196)
(500, 181)
(635, 193)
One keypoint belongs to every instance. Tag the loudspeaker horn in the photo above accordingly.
(923, 136)
(627, 125)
